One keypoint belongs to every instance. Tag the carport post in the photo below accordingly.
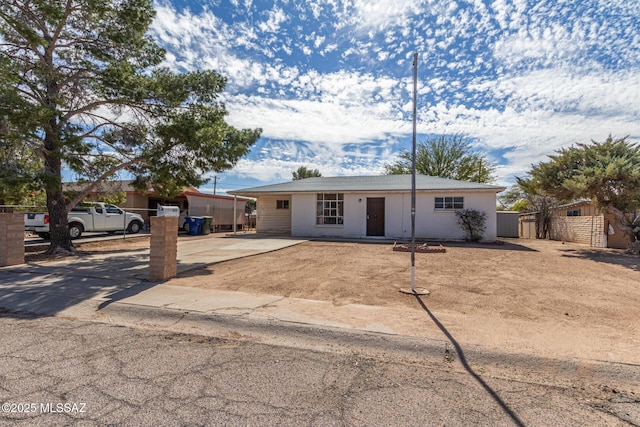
(235, 215)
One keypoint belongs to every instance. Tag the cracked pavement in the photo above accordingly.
(122, 351)
(128, 376)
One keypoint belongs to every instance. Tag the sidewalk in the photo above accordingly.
(113, 287)
(77, 287)
(115, 283)
(108, 283)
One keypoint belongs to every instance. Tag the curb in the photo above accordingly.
(387, 347)
(269, 330)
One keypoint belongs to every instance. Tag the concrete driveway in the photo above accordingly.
(76, 285)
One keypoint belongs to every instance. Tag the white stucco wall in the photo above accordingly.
(303, 217)
(430, 224)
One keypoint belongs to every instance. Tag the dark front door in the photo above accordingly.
(375, 216)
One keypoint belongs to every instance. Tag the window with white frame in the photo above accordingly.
(282, 204)
(449, 203)
(330, 209)
(573, 212)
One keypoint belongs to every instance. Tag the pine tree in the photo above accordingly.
(82, 87)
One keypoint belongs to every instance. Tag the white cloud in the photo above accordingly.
(276, 17)
(549, 44)
(383, 13)
(527, 136)
(314, 121)
(318, 42)
(282, 158)
(523, 78)
(600, 94)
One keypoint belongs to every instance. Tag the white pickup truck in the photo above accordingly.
(96, 217)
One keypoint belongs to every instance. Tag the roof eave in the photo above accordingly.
(256, 194)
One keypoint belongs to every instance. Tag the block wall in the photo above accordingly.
(11, 239)
(163, 263)
(589, 230)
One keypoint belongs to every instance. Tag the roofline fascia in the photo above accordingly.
(466, 190)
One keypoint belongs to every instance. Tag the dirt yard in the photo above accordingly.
(527, 280)
(523, 296)
(562, 299)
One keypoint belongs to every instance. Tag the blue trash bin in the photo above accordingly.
(195, 225)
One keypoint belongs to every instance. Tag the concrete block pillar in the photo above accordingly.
(164, 248)
(11, 238)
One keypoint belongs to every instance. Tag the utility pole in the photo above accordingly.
(413, 290)
(413, 174)
(215, 183)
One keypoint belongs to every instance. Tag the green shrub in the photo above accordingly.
(472, 222)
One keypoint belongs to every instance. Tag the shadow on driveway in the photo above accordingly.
(47, 289)
(51, 287)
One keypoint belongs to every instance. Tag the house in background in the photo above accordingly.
(579, 222)
(191, 200)
(371, 207)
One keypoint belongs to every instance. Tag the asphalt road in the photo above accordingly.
(70, 372)
(137, 365)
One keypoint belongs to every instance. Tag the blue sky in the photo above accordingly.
(330, 81)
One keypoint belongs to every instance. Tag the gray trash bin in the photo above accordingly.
(206, 224)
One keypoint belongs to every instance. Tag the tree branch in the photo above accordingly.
(100, 180)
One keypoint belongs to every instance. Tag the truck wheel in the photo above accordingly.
(44, 236)
(134, 227)
(75, 230)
